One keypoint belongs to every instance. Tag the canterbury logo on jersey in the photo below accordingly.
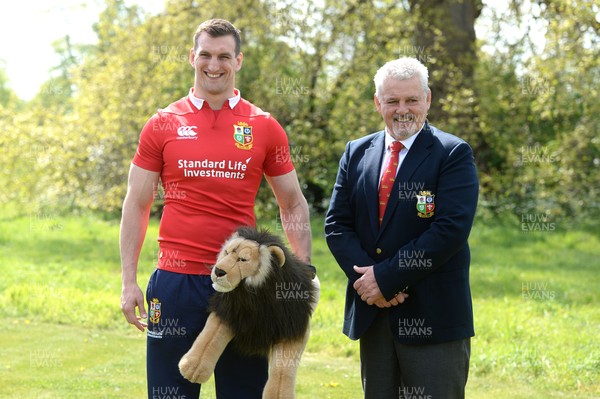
(187, 132)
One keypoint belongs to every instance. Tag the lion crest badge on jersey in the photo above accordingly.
(425, 204)
(155, 311)
(242, 134)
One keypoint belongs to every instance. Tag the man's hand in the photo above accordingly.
(367, 286)
(132, 298)
(369, 291)
(397, 300)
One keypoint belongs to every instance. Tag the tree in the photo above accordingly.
(445, 38)
(530, 112)
(540, 111)
(57, 92)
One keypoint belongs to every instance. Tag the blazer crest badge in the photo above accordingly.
(425, 204)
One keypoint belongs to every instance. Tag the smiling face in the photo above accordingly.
(216, 64)
(403, 104)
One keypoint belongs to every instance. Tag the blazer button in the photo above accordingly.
(379, 251)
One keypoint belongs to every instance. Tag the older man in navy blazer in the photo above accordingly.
(398, 224)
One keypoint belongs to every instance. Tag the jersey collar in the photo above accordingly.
(198, 102)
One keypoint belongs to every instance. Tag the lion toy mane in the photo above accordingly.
(263, 304)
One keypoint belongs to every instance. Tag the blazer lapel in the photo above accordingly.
(372, 164)
(416, 155)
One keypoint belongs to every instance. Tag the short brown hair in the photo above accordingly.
(217, 28)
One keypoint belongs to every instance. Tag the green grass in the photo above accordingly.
(63, 336)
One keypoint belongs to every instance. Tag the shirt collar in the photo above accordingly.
(199, 102)
(406, 143)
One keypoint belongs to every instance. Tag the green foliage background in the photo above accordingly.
(530, 111)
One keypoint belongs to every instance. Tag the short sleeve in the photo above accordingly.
(278, 160)
(149, 154)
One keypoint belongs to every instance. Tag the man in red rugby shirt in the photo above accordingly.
(210, 150)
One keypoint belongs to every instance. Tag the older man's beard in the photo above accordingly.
(404, 126)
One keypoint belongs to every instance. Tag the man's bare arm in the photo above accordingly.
(141, 187)
(295, 217)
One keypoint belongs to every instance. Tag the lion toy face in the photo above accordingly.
(243, 260)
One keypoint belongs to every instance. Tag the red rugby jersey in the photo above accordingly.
(211, 165)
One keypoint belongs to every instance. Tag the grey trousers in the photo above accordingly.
(391, 370)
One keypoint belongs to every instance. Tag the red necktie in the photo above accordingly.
(388, 177)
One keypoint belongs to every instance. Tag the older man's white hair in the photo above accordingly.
(401, 69)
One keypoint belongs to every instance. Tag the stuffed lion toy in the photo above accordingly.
(263, 304)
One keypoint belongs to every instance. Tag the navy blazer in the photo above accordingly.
(423, 252)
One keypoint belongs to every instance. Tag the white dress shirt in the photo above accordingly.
(388, 153)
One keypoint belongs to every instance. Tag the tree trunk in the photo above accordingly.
(445, 39)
